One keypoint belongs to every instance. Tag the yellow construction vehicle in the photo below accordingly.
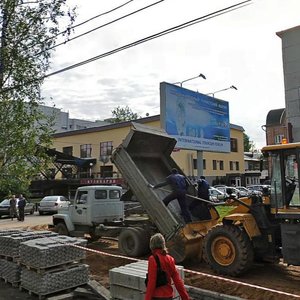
(264, 228)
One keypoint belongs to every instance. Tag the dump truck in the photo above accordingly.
(264, 228)
(145, 157)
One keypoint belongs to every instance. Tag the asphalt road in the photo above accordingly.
(30, 220)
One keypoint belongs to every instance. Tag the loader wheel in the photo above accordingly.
(228, 251)
(61, 229)
(130, 243)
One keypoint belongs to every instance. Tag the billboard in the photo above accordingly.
(196, 121)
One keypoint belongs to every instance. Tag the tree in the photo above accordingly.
(249, 146)
(28, 29)
(123, 114)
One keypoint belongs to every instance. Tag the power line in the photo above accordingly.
(88, 20)
(79, 24)
(101, 26)
(146, 39)
(154, 36)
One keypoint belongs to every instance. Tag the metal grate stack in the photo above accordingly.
(51, 251)
(54, 281)
(128, 282)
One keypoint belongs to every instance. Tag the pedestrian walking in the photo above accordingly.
(13, 207)
(167, 265)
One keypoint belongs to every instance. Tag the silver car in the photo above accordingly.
(51, 204)
(216, 195)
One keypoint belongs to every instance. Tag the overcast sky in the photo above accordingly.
(239, 48)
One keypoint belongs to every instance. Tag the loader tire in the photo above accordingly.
(130, 242)
(61, 229)
(228, 250)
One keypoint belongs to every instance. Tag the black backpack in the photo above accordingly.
(161, 277)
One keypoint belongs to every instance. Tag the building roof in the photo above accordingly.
(120, 125)
(67, 159)
(282, 32)
(275, 117)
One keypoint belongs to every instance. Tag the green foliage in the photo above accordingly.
(27, 29)
(249, 146)
(121, 114)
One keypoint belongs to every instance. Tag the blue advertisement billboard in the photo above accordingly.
(196, 121)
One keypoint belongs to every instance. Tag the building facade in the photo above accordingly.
(62, 121)
(291, 69)
(97, 143)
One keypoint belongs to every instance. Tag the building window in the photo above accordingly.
(231, 165)
(221, 164)
(106, 148)
(233, 145)
(237, 165)
(106, 171)
(195, 164)
(278, 138)
(86, 151)
(214, 165)
(68, 150)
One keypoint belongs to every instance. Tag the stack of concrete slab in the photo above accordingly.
(55, 280)
(128, 282)
(53, 264)
(52, 251)
(10, 241)
(9, 244)
(10, 271)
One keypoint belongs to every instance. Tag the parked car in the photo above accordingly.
(51, 204)
(244, 192)
(263, 188)
(4, 208)
(230, 190)
(216, 195)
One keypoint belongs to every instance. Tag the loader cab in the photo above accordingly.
(283, 162)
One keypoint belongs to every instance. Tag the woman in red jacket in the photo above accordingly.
(167, 263)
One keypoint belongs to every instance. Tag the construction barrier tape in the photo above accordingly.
(195, 272)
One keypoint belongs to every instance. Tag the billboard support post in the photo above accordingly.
(199, 163)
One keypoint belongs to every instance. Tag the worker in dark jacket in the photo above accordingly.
(203, 188)
(21, 207)
(167, 264)
(179, 186)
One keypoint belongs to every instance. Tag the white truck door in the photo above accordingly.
(80, 208)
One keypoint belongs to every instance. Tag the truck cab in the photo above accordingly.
(92, 206)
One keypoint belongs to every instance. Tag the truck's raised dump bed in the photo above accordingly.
(145, 157)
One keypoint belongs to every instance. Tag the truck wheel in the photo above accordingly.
(228, 250)
(145, 237)
(61, 229)
(93, 237)
(129, 242)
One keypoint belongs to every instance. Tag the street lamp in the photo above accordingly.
(213, 93)
(181, 82)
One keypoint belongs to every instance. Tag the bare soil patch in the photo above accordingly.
(274, 277)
